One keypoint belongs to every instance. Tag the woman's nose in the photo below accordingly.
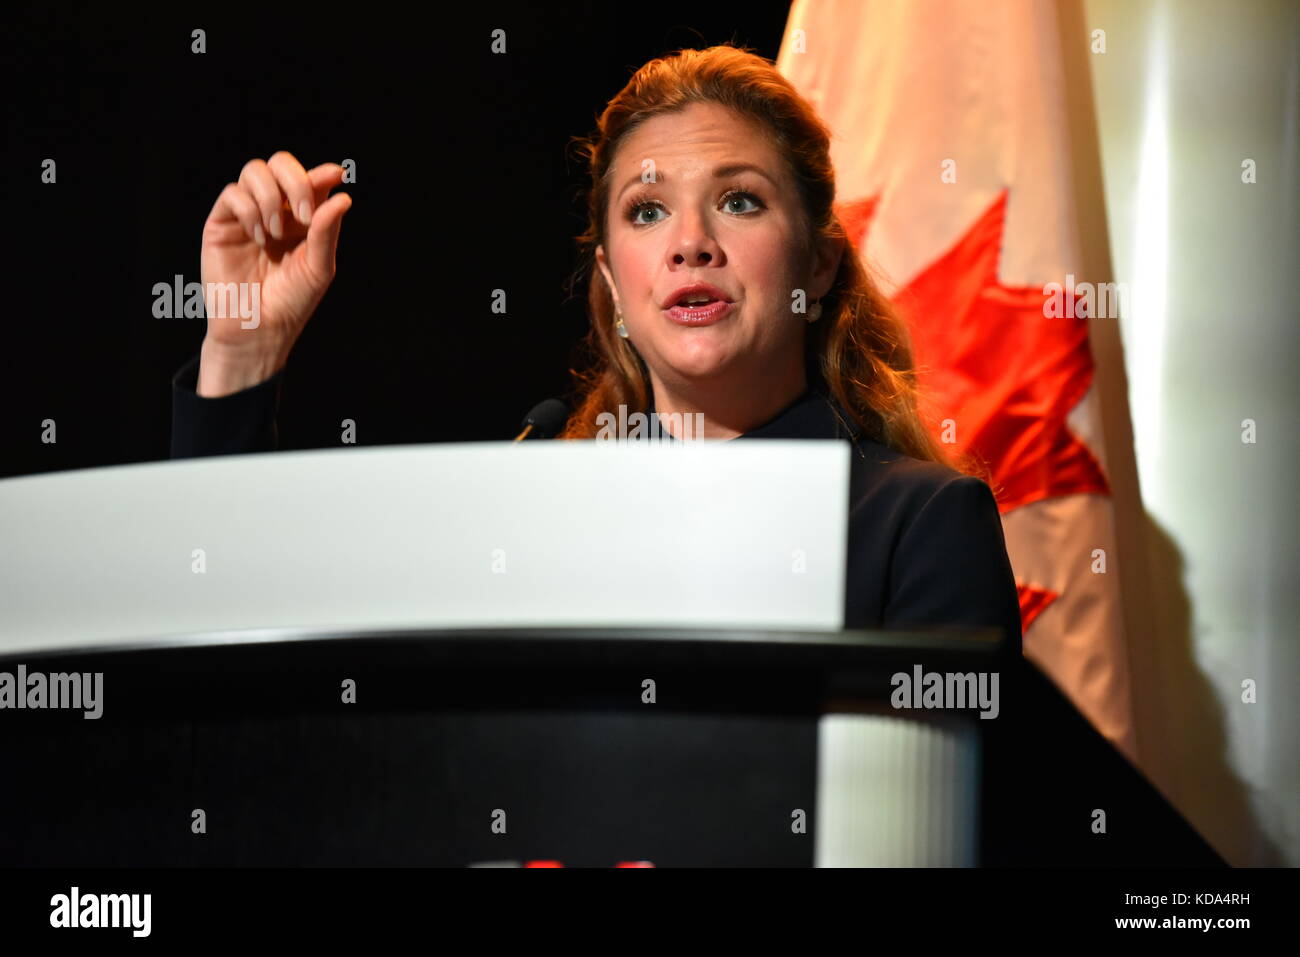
(693, 245)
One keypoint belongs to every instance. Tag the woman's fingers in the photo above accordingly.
(295, 186)
(257, 180)
(269, 190)
(236, 203)
(274, 188)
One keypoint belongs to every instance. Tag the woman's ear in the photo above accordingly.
(826, 263)
(605, 271)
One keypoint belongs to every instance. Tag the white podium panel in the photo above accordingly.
(533, 534)
(893, 791)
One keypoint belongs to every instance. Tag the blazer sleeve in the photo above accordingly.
(239, 423)
(951, 565)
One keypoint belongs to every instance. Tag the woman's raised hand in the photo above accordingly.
(278, 228)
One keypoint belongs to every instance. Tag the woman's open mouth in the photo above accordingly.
(699, 314)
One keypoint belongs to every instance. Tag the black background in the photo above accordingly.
(467, 182)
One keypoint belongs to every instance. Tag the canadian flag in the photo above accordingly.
(951, 145)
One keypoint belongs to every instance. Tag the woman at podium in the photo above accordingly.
(722, 290)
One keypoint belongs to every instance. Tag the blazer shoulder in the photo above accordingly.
(881, 473)
(947, 558)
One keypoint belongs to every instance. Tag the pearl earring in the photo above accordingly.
(815, 312)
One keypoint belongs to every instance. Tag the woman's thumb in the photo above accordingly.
(323, 234)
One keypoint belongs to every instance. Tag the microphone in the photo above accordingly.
(546, 419)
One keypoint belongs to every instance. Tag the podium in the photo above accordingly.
(486, 655)
(500, 747)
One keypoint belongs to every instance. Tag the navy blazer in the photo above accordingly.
(925, 543)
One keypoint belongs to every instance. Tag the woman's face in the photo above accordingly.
(704, 219)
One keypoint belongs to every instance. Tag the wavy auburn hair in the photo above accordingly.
(859, 352)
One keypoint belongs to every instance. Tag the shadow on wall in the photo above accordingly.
(1181, 722)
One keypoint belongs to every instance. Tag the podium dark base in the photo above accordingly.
(448, 757)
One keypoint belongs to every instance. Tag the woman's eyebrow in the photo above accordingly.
(722, 172)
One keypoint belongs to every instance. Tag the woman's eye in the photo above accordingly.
(643, 207)
(741, 198)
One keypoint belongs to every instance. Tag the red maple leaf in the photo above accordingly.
(989, 360)
(1033, 602)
